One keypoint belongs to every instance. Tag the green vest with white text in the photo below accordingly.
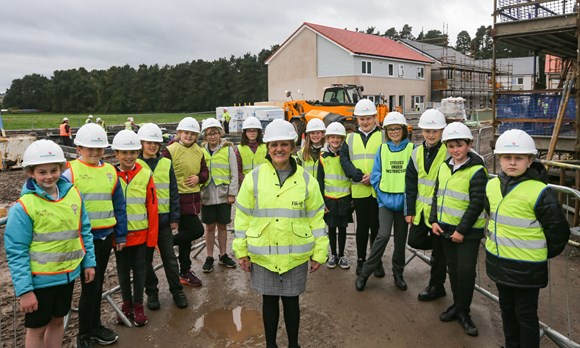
(394, 167)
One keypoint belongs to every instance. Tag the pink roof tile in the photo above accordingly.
(368, 44)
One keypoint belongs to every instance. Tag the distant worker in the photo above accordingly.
(89, 119)
(101, 123)
(65, 132)
(129, 123)
(227, 119)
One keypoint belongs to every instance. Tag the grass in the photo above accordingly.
(49, 120)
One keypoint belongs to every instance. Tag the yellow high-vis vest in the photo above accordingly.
(453, 195)
(310, 165)
(162, 182)
(251, 160)
(363, 158)
(280, 227)
(336, 184)
(219, 165)
(186, 162)
(426, 182)
(97, 184)
(394, 167)
(514, 231)
(57, 246)
(136, 196)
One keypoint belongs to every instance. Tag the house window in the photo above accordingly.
(518, 81)
(391, 69)
(418, 102)
(401, 70)
(366, 67)
(421, 73)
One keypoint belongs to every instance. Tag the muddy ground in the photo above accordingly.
(225, 312)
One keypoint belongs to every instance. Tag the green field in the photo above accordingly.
(46, 120)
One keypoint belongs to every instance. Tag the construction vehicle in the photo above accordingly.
(337, 105)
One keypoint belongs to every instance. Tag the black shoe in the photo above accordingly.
(449, 315)
(104, 336)
(361, 282)
(359, 266)
(400, 282)
(84, 341)
(379, 271)
(153, 302)
(207, 265)
(468, 325)
(180, 299)
(432, 293)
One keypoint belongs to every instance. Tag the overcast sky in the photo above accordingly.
(40, 36)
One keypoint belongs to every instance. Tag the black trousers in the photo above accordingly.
(271, 315)
(367, 219)
(190, 229)
(90, 300)
(132, 260)
(519, 313)
(420, 237)
(169, 260)
(461, 259)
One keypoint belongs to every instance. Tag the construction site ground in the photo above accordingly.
(226, 312)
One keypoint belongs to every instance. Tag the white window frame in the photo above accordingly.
(366, 68)
(401, 70)
(421, 73)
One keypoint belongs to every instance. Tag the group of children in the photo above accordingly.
(69, 217)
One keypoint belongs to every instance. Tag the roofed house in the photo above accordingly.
(317, 56)
(524, 72)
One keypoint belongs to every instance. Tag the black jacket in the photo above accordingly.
(556, 230)
(477, 185)
(349, 169)
(173, 215)
(412, 178)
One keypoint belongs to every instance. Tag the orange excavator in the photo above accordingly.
(337, 105)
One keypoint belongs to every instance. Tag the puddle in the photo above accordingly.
(233, 325)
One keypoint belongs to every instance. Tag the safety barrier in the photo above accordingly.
(557, 337)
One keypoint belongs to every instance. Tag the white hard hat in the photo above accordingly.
(252, 123)
(126, 140)
(210, 123)
(150, 132)
(432, 119)
(90, 116)
(365, 107)
(456, 130)
(41, 152)
(335, 128)
(515, 141)
(91, 135)
(188, 124)
(315, 124)
(65, 119)
(280, 129)
(98, 119)
(394, 118)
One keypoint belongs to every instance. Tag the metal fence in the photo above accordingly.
(516, 10)
(563, 336)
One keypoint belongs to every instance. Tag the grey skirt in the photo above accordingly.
(291, 283)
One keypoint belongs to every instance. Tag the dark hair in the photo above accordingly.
(467, 141)
(246, 141)
(405, 132)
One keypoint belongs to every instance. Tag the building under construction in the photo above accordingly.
(550, 115)
(457, 75)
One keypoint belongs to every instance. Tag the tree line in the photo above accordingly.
(187, 87)
(194, 86)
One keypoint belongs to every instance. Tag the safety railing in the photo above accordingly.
(516, 10)
(571, 196)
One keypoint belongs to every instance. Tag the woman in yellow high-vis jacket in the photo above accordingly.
(526, 228)
(279, 228)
